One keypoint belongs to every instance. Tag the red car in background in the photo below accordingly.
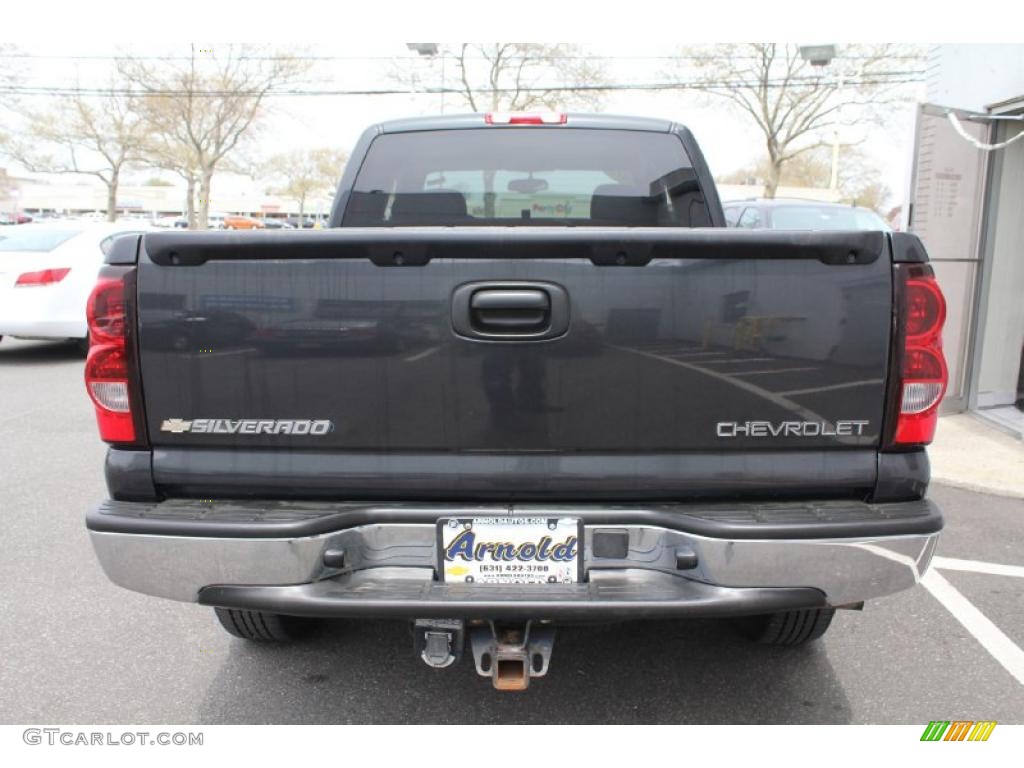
(242, 222)
(14, 218)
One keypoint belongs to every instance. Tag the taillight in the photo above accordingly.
(925, 309)
(526, 118)
(106, 311)
(108, 368)
(42, 277)
(921, 312)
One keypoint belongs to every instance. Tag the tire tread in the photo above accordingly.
(787, 627)
(261, 626)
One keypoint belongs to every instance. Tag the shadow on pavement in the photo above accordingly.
(641, 672)
(40, 352)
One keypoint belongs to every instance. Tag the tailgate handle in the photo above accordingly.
(497, 310)
(510, 310)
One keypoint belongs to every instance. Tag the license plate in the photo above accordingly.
(510, 550)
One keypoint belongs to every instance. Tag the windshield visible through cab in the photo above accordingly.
(822, 217)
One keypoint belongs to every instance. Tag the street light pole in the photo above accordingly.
(431, 50)
(822, 56)
(834, 183)
(442, 82)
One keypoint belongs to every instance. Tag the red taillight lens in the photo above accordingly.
(923, 363)
(106, 311)
(526, 118)
(42, 277)
(926, 310)
(107, 369)
(923, 373)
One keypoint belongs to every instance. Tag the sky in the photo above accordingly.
(728, 138)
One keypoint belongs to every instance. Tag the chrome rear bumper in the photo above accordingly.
(388, 567)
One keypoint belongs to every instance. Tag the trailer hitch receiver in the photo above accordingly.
(511, 654)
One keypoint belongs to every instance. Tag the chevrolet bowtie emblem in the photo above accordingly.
(176, 426)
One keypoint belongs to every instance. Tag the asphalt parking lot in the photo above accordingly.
(76, 649)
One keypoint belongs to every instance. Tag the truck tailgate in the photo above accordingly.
(639, 348)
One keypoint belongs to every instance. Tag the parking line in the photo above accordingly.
(743, 360)
(844, 385)
(421, 355)
(976, 566)
(992, 639)
(226, 352)
(660, 348)
(679, 355)
(764, 371)
(767, 394)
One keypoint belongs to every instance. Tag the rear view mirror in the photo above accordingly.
(527, 186)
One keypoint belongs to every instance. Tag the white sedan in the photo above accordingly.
(47, 272)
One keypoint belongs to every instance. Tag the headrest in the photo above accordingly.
(439, 206)
(622, 205)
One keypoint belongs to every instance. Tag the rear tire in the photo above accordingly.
(786, 627)
(263, 627)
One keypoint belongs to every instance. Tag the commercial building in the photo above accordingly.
(966, 201)
(77, 195)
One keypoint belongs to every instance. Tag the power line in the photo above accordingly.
(419, 58)
(54, 90)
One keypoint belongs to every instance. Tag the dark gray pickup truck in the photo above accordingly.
(525, 377)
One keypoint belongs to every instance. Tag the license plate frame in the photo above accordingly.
(515, 530)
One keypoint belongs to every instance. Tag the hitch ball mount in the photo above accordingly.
(510, 654)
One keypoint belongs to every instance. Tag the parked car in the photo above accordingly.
(304, 223)
(787, 213)
(213, 221)
(8, 219)
(171, 222)
(46, 274)
(520, 380)
(270, 223)
(242, 222)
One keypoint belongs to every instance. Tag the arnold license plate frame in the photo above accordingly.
(505, 558)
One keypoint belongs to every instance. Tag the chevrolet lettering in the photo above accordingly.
(790, 428)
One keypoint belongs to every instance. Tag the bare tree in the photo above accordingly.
(304, 173)
(7, 78)
(857, 180)
(792, 102)
(180, 159)
(494, 77)
(202, 108)
(99, 136)
(6, 185)
(9, 74)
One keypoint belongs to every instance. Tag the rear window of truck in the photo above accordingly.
(527, 177)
